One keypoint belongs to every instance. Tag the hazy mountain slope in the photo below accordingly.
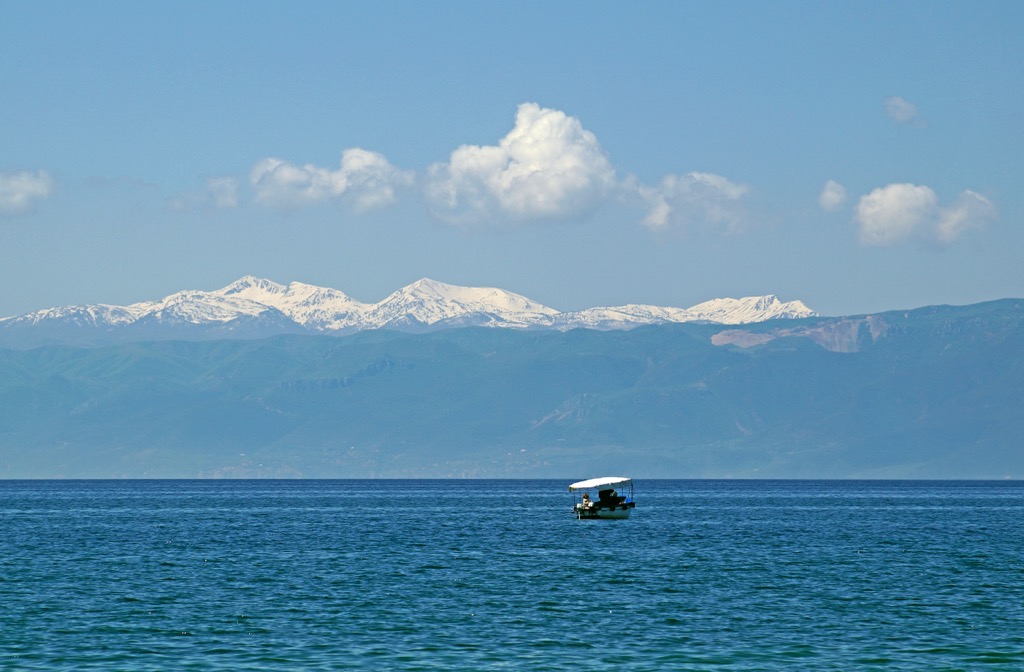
(935, 393)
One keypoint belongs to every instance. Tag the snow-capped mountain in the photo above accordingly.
(622, 317)
(318, 308)
(720, 311)
(258, 307)
(98, 315)
(428, 302)
(749, 309)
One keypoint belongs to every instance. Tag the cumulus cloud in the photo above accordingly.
(891, 214)
(832, 196)
(19, 191)
(547, 167)
(694, 197)
(898, 212)
(365, 179)
(900, 110)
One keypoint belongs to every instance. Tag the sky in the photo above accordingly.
(858, 156)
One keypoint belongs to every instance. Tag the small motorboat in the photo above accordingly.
(609, 503)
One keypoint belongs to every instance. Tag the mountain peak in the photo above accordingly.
(433, 288)
(429, 302)
(251, 285)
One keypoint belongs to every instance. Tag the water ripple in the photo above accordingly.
(426, 575)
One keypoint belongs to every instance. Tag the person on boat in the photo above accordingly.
(586, 501)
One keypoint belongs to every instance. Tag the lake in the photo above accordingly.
(464, 574)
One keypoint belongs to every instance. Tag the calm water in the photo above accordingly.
(383, 575)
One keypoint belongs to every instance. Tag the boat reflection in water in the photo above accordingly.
(609, 503)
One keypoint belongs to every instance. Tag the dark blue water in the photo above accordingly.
(376, 575)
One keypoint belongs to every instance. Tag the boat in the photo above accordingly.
(609, 503)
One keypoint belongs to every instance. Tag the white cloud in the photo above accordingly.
(833, 195)
(898, 212)
(19, 191)
(891, 214)
(900, 110)
(970, 211)
(547, 167)
(223, 191)
(365, 179)
(694, 197)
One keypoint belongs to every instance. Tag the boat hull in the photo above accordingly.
(594, 512)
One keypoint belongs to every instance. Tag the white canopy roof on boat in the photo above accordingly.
(599, 483)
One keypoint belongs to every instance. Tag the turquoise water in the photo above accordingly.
(405, 575)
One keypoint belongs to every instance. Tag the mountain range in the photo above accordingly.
(255, 308)
(934, 392)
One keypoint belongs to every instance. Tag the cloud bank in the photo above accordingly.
(364, 179)
(547, 168)
(900, 212)
(19, 191)
(694, 197)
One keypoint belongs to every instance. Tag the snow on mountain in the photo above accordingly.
(259, 306)
(319, 308)
(197, 307)
(94, 315)
(749, 309)
(430, 302)
(621, 317)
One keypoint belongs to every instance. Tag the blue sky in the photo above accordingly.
(858, 156)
